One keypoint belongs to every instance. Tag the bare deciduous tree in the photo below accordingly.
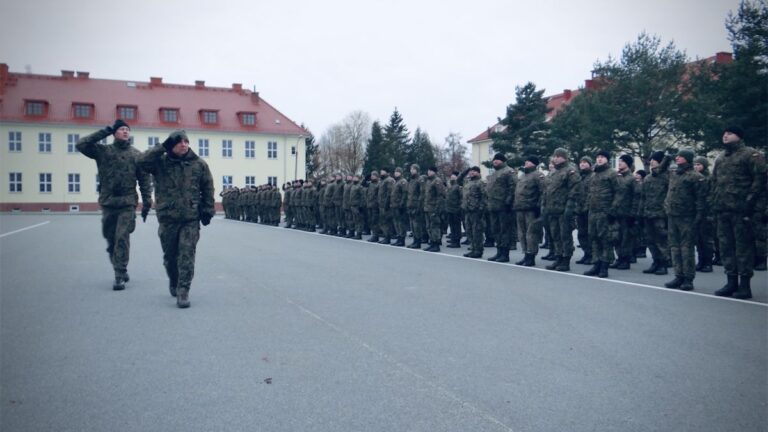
(342, 146)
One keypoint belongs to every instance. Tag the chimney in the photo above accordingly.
(237, 87)
(567, 93)
(83, 75)
(155, 81)
(589, 84)
(255, 97)
(67, 73)
(3, 78)
(199, 84)
(723, 58)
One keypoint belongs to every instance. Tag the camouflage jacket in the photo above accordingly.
(500, 188)
(328, 192)
(118, 169)
(473, 195)
(399, 194)
(529, 190)
(654, 190)
(346, 191)
(583, 186)
(602, 190)
(624, 203)
(356, 196)
(562, 191)
(184, 186)
(453, 197)
(685, 196)
(338, 194)
(386, 185)
(434, 195)
(415, 184)
(738, 180)
(372, 195)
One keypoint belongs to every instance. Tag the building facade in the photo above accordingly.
(244, 139)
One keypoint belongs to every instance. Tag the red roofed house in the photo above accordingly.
(244, 139)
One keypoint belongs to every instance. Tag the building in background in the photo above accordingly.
(244, 139)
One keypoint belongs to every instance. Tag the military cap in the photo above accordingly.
(629, 160)
(604, 153)
(475, 169)
(500, 156)
(588, 160)
(534, 160)
(641, 172)
(399, 170)
(118, 124)
(686, 154)
(563, 153)
(736, 130)
(701, 160)
(658, 156)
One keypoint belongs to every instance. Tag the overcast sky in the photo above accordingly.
(447, 65)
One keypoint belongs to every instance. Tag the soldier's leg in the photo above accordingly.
(478, 233)
(745, 246)
(760, 229)
(124, 226)
(726, 232)
(533, 232)
(675, 239)
(687, 233)
(436, 228)
(556, 234)
(169, 241)
(583, 234)
(108, 226)
(513, 237)
(566, 236)
(521, 231)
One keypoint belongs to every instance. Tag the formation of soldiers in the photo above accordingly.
(619, 214)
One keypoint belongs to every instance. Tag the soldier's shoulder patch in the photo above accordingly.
(572, 172)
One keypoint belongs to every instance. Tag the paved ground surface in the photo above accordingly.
(290, 331)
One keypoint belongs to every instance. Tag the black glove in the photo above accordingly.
(171, 141)
(205, 219)
(108, 129)
(145, 210)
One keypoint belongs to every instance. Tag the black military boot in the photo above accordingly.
(474, 254)
(531, 261)
(662, 270)
(677, 282)
(434, 247)
(385, 240)
(453, 245)
(623, 263)
(504, 257)
(564, 265)
(730, 287)
(603, 270)
(586, 259)
(119, 284)
(717, 261)
(522, 261)
(687, 284)
(465, 242)
(595, 270)
(652, 269)
(358, 236)
(374, 239)
(760, 263)
(489, 243)
(745, 290)
(182, 298)
(415, 244)
(400, 242)
(555, 263)
(706, 265)
(495, 257)
(615, 262)
(550, 256)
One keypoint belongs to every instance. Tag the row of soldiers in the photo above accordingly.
(252, 204)
(618, 213)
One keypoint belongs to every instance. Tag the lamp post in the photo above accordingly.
(296, 158)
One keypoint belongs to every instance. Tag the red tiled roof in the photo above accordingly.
(105, 94)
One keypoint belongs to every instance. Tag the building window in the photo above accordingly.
(36, 108)
(210, 117)
(72, 139)
(248, 119)
(73, 183)
(169, 115)
(250, 181)
(126, 112)
(14, 182)
(44, 144)
(272, 181)
(250, 149)
(272, 150)
(45, 182)
(226, 148)
(14, 141)
(226, 181)
(152, 141)
(293, 150)
(202, 147)
(83, 111)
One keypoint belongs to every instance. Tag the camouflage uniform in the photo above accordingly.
(705, 231)
(414, 205)
(453, 210)
(653, 194)
(684, 205)
(397, 204)
(561, 197)
(330, 213)
(356, 205)
(346, 209)
(372, 204)
(184, 192)
(434, 202)
(625, 212)
(473, 205)
(600, 202)
(119, 171)
(500, 189)
(338, 207)
(288, 206)
(582, 215)
(528, 194)
(386, 186)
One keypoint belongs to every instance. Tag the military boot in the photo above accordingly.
(453, 245)
(415, 244)
(730, 287)
(760, 263)
(603, 270)
(358, 235)
(564, 265)
(489, 243)
(717, 261)
(495, 257)
(119, 284)
(706, 265)
(399, 242)
(687, 284)
(474, 254)
(385, 240)
(662, 270)
(374, 239)
(504, 256)
(434, 247)
(182, 298)
(623, 263)
(555, 263)
(595, 269)
(745, 290)
(550, 256)
(616, 262)
(522, 261)
(531, 262)
(677, 282)
(586, 259)
(652, 269)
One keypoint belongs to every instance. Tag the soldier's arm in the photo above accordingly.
(700, 190)
(145, 184)
(574, 191)
(148, 160)
(207, 202)
(757, 189)
(89, 145)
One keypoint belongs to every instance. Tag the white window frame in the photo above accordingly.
(203, 147)
(71, 141)
(46, 183)
(14, 182)
(271, 149)
(14, 141)
(250, 181)
(250, 149)
(152, 141)
(226, 182)
(73, 182)
(44, 142)
(226, 148)
(272, 180)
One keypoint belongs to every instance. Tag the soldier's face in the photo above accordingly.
(181, 148)
(698, 167)
(558, 160)
(654, 163)
(601, 160)
(497, 163)
(529, 164)
(730, 138)
(680, 160)
(584, 165)
(123, 133)
(413, 171)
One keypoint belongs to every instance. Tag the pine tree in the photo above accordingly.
(311, 154)
(396, 141)
(421, 151)
(374, 154)
(525, 124)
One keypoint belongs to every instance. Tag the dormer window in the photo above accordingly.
(127, 112)
(82, 110)
(35, 108)
(247, 118)
(209, 117)
(169, 115)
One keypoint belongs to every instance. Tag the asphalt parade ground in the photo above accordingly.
(297, 331)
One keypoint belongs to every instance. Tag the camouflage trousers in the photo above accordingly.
(501, 227)
(417, 223)
(656, 236)
(385, 223)
(582, 227)
(357, 220)
(399, 221)
(117, 224)
(475, 226)
(561, 234)
(705, 240)
(373, 220)
(737, 244)
(761, 235)
(454, 225)
(434, 226)
(599, 233)
(528, 231)
(625, 246)
(682, 241)
(179, 243)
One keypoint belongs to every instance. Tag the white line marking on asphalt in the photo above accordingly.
(549, 272)
(24, 229)
(402, 367)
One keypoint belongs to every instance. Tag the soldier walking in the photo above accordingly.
(118, 171)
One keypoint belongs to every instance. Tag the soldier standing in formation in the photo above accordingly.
(434, 202)
(414, 205)
(372, 204)
(561, 197)
(184, 192)
(653, 193)
(527, 205)
(500, 188)
(600, 201)
(453, 211)
(473, 205)
(397, 204)
(705, 231)
(582, 210)
(386, 186)
(118, 172)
